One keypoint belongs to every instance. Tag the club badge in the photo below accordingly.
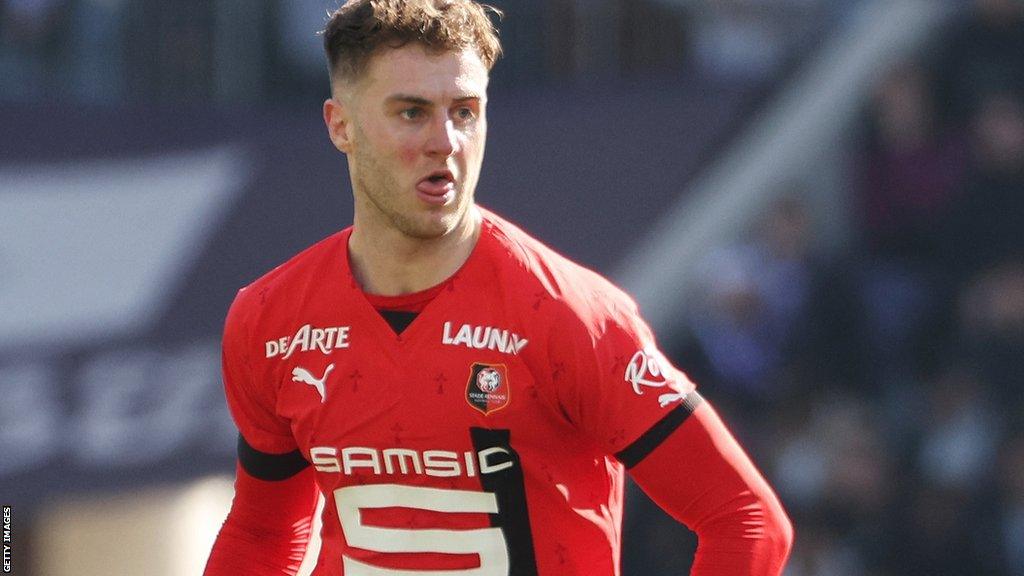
(488, 387)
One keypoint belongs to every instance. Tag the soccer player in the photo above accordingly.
(465, 399)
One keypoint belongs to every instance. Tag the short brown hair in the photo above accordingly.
(359, 28)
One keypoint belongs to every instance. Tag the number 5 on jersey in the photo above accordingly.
(488, 543)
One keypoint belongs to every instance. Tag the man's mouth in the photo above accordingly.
(437, 186)
(441, 176)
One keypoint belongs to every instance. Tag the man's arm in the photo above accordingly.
(701, 476)
(624, 394)
(268, 527)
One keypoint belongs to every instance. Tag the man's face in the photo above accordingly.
(414, 131)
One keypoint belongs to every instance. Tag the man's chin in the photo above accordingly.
(430, 226)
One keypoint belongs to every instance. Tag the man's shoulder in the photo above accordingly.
(553, 278)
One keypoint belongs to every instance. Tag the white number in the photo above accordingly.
(488, 543)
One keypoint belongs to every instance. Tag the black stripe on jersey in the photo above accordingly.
(399, 320)
(273, 467)
(632, 455)
(508, 486)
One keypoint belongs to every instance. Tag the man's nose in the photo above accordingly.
(443, 140)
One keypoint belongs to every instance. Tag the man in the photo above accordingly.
(465, 399)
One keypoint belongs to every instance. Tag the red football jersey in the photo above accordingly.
(489, 438)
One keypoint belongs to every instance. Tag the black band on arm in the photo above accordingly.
(632, 455)
(273, 467)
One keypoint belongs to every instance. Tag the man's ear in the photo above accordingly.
(336, 117)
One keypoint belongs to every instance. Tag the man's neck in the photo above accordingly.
(389, 263)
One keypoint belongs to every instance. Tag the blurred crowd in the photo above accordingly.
(113, 52)
(881, 387)
(142, 51)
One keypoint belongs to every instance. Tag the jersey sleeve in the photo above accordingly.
(620, 390)
(251, 399)
(702, 477)
(268, 527)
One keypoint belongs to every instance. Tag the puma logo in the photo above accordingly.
(300, 374)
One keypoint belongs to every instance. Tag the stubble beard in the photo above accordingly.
(385, 195)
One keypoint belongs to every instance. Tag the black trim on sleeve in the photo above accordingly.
(632, 455)
(273, 467)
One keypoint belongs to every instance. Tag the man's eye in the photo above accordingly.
(465, 113)
(411, 113)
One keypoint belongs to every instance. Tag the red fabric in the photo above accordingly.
(268, 527)
(702, 477)
(414, 302)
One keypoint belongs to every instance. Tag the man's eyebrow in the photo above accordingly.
(408, 99)
(421, 101)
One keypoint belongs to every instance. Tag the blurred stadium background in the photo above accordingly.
(819, 204)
